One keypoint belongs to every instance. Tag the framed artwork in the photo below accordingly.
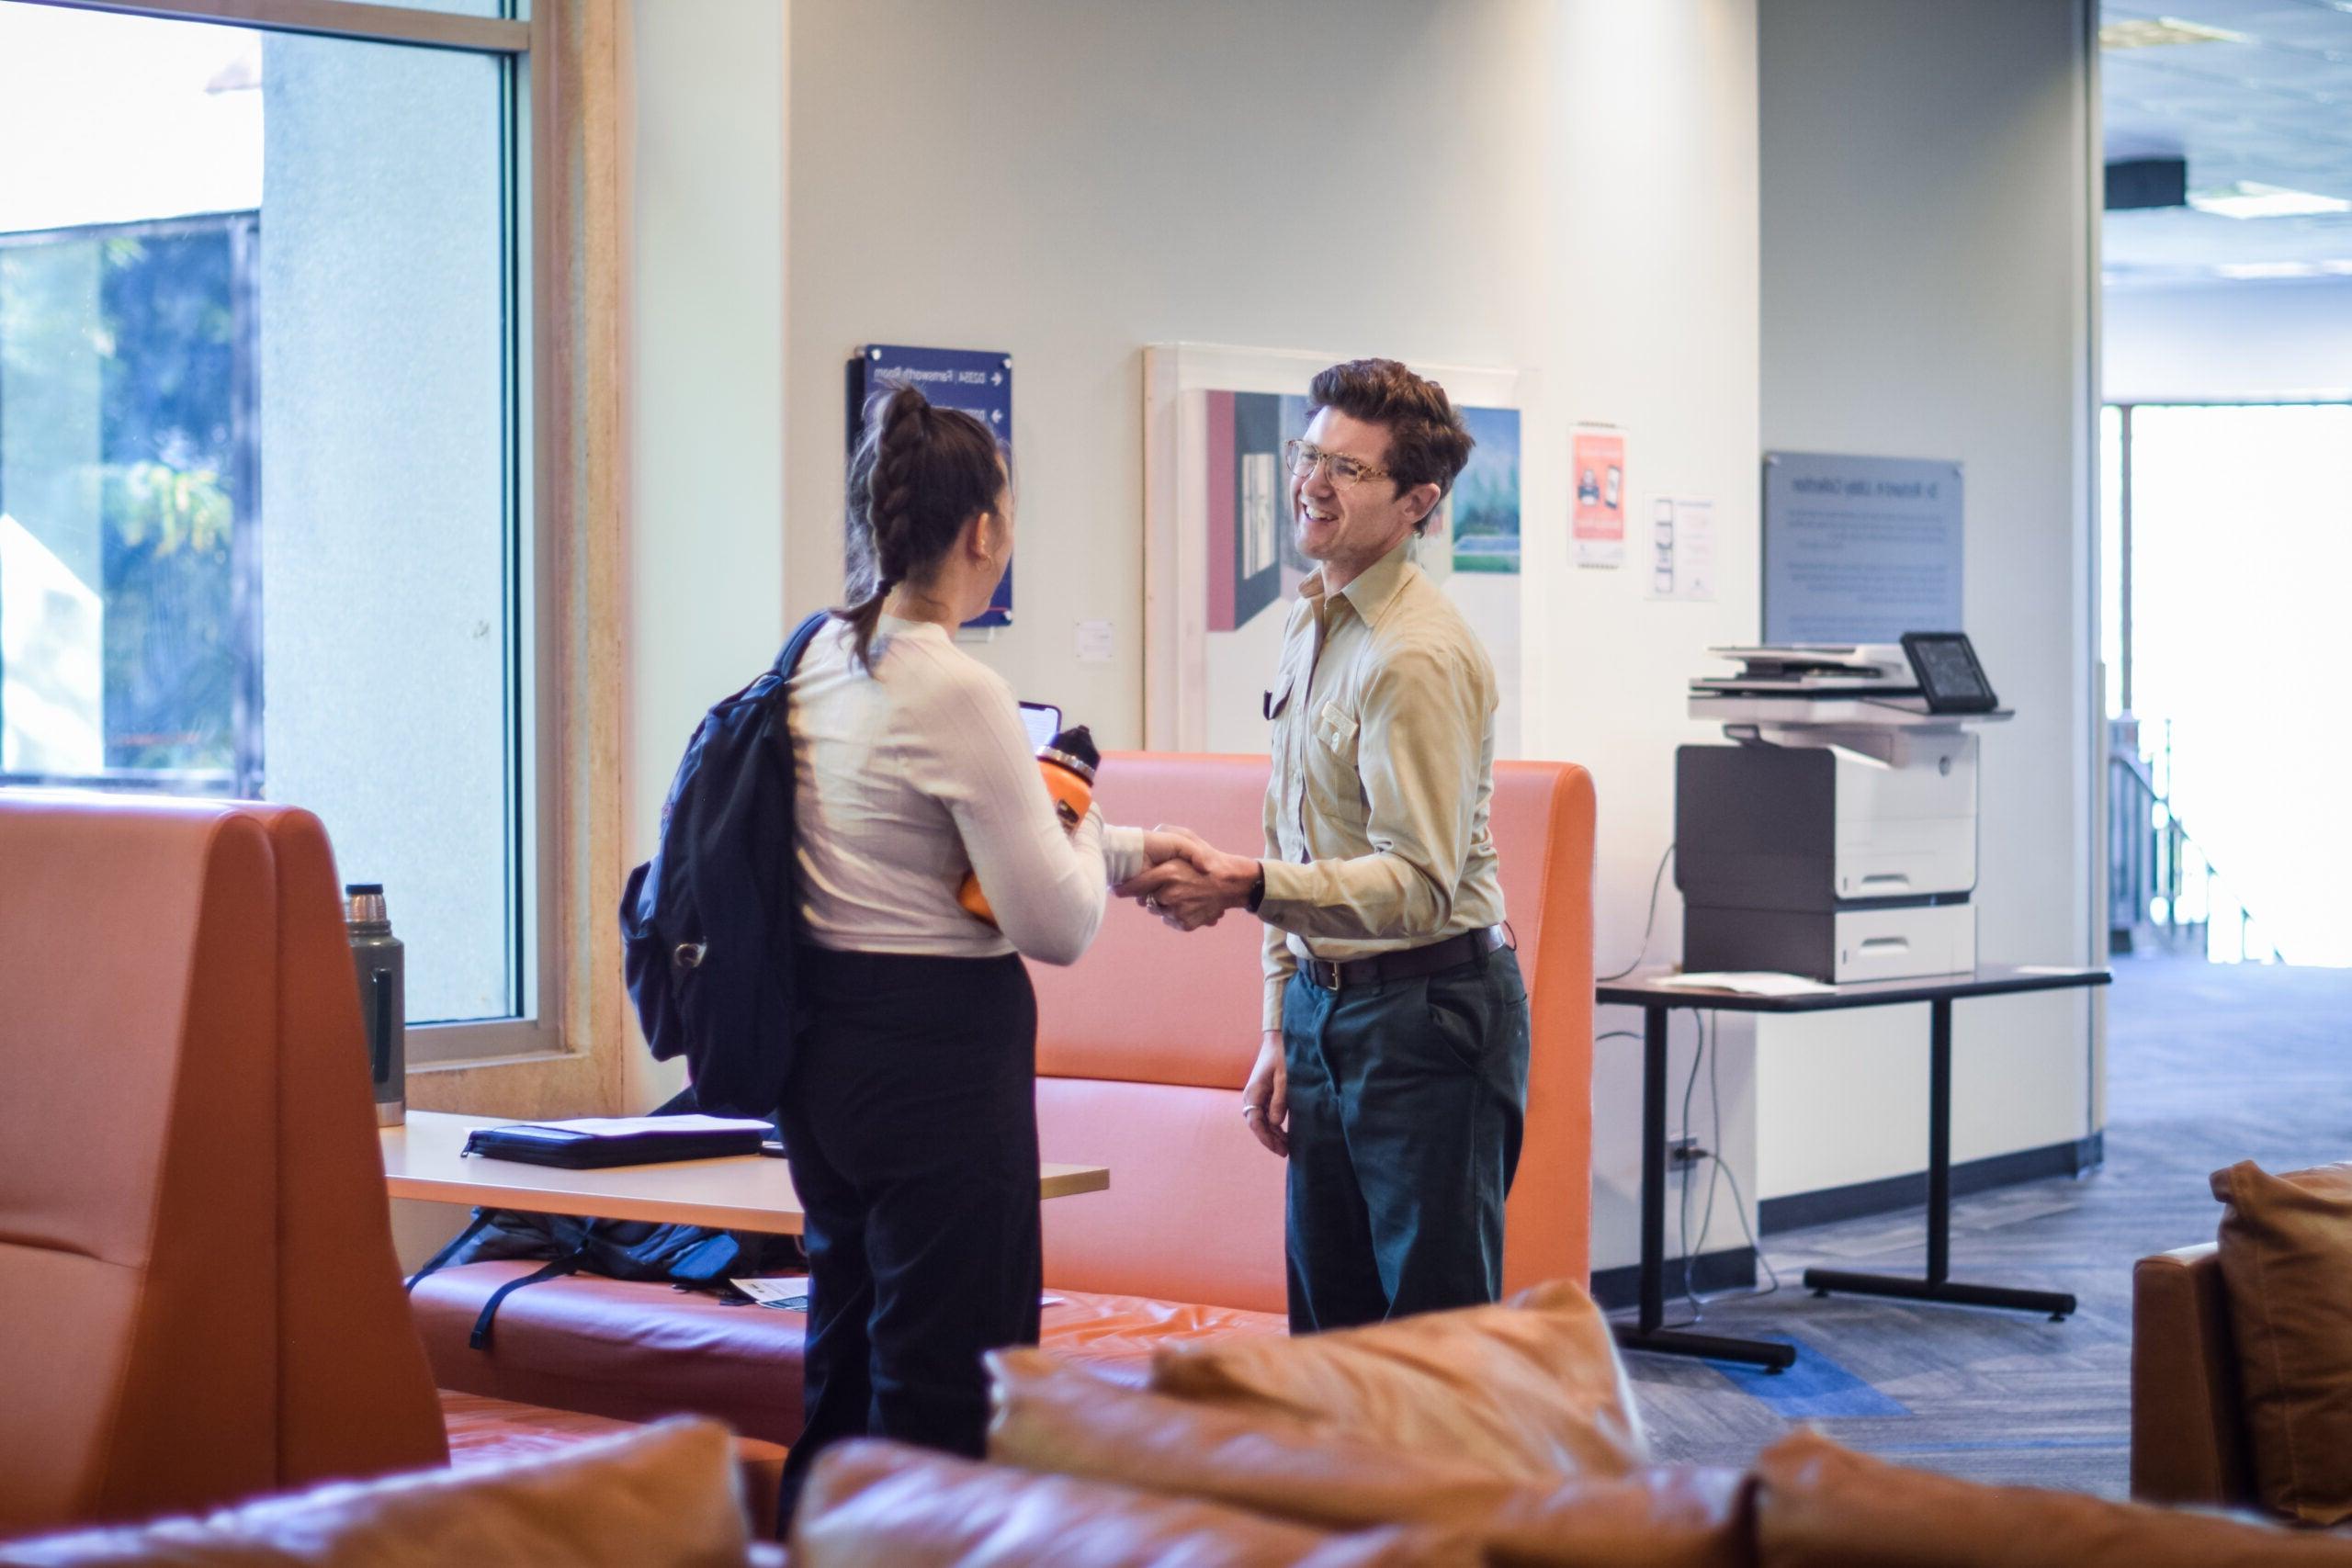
(1221, 563)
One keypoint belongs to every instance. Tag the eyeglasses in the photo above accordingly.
(1302, 461)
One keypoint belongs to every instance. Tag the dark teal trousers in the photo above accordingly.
(1407, 1100)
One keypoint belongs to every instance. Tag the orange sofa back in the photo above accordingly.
(199, 1299)
(1144, 1045)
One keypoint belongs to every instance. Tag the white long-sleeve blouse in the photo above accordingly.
(915, 773)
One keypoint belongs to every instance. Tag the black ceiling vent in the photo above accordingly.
(2136, 183)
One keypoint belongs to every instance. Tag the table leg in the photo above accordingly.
(1648, 1332)
(1939, 1286)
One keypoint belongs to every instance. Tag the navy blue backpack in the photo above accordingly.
(706, 923)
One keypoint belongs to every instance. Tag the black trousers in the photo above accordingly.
(1407, 1102)
(910, 1123)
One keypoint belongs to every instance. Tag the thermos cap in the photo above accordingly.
(1073, 749)
(364, 901)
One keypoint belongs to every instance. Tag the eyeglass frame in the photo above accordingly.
(1298, 444)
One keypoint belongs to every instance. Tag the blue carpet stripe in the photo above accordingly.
(1817, 1388)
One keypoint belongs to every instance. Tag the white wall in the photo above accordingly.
(1567, 190)
(1925, 294)
(1571, 190)
(704, 176)
(1069, 181)
(1655, 290)
(2226, 341)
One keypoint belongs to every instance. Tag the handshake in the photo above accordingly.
(1190, 882)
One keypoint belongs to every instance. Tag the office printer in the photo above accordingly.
(1836, 837)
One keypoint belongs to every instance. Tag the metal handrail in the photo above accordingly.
(2166, 843)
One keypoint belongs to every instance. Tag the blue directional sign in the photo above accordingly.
(979, 382)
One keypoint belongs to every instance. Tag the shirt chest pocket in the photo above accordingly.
(1332, 778)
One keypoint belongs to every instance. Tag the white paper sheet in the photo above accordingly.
(626, 1126)
(1747, 982)
(790, 1292)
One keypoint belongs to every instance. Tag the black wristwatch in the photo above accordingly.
(1258, 888)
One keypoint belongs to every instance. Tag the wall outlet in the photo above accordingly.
(1684, 1151)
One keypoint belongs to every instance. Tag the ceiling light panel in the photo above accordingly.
(2251, 198)
(2158, 31)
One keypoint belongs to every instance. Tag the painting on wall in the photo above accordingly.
(1484, 502)
(1222, 563)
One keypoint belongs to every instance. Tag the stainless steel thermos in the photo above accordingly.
(377, 955)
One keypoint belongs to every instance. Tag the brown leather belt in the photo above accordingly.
(1335, 975)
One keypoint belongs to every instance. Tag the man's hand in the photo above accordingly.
(1265, 1099)
(1193, 888)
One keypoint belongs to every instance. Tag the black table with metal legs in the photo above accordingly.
(1647, 1331)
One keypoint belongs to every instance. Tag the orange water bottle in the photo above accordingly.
(1068, 762)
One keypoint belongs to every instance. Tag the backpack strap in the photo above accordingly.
(481, 1218)
(797, 643)
(479, 1339)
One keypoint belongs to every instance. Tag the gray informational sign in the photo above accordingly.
(1859, 549)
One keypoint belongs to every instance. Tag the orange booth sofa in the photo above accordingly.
(1142, 1048)
(198, 1298)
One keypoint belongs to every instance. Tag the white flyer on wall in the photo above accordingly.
(1679, 545)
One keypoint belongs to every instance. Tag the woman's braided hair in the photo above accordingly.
(919, 474)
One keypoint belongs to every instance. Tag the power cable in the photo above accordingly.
(1648, 920)
(1711, 1055)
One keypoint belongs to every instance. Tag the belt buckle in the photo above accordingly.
(1324, 972)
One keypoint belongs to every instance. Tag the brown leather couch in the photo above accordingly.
(1142, 1047)
(198, 1297)
(2242, 1352)
(2188, 1433)
(664, 1497)
(1500, 1434)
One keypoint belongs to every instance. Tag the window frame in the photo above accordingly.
(533, 244)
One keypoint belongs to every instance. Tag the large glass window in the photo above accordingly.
(262, 417)
(2239, 546)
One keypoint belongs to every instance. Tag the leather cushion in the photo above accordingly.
(649, 1497)
(488, 1432)
(637, 1352)
(2287, 1258)
(1056, 1417)
(1148, 1005)
(1531, 1388)
(1194, 1209)
(138, 991)
(2188, 1418)
(879, 1504)
(1820, 1505)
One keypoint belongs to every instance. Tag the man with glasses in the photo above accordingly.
(1393, 1067)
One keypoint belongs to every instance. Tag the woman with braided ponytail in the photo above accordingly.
(910, 1116)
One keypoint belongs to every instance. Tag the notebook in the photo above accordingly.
(594, 1142)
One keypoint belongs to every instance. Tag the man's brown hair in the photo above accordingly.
(1427, 443)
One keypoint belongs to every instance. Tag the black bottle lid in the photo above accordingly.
(1073, 749)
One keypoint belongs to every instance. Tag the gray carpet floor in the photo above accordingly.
(2207, 1065)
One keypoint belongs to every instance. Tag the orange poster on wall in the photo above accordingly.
(1597, 517)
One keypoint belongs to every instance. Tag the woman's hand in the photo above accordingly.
(1265, 1099)
(1166, 843)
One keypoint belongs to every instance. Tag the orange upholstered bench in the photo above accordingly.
(1142, 1049)
(198, 1288)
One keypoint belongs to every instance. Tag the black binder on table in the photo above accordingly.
(596, 1143)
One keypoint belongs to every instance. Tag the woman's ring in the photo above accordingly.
(1152, 904)
(1249, 1111)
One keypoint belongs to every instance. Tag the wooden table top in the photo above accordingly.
(743, 1192)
